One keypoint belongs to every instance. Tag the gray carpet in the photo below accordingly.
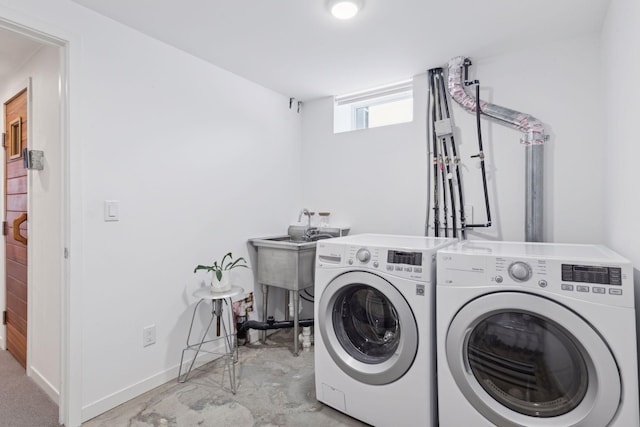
(274, 389)
(22, 402)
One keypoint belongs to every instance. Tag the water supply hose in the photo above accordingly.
(442, 142)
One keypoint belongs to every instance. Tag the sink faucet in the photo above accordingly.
(309, 231)
(305, 211)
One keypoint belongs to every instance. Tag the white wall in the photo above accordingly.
(200, 160)
(44, 217)
(372, 180)
(376, 179)
(621, 67)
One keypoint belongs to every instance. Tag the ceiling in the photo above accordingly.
(296, 48)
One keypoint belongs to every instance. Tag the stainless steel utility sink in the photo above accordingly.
(288, 262)
(285, 261)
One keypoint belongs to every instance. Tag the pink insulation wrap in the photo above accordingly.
(529, 125)
(456, 86)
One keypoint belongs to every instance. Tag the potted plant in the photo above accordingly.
(220, 271)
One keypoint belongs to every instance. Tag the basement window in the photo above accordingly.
(381, 106)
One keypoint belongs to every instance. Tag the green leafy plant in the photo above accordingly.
(218, 268)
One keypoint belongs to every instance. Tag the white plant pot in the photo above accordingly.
(222, 285)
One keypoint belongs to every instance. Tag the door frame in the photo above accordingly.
(70, 387)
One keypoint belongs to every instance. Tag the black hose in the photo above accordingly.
(481, 156)
(447, 161)
(457, 169)
(272, 324)
(436, 195)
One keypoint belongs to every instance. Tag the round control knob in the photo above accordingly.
(363, 255)
(499, 279)
(376, 264)
(520, 271)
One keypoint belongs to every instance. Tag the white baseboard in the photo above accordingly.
(46, 386)
(103, 405)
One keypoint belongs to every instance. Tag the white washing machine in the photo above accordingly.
(536, 335)
(375, 326)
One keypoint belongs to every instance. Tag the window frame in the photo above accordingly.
(360, 103)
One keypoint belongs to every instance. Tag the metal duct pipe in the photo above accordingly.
(534, 138)
(534, 181)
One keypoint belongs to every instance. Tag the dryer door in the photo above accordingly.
(522, 359)
(368, 327)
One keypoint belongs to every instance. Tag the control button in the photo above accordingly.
(390, 267)
(520, 271)
(614, 291)
(417, 269)
(542, 283)
(350, 262)
(409, 269)
(598, 290)
(566, 287)
(398, 268)
(499, 279)
(376, 264)
(363, 255)
(581, 288)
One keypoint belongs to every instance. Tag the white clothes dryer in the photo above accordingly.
(536, 335)
(375, 326)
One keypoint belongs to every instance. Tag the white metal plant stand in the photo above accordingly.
(227, 334)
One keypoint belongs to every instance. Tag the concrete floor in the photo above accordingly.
(275, 388)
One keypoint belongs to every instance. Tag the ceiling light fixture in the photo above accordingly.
(344, 9)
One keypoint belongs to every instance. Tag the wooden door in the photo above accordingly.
(15, 185)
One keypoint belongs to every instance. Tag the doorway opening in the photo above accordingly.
(40, 199)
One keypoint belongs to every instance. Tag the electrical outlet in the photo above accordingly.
(148, 335)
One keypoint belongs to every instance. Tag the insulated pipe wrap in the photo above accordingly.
(529, 125)
(456, 86)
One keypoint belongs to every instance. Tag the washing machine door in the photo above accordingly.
(525, 360)
(367, 327)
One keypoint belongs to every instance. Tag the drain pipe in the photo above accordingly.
(534, 139)
(272, 324)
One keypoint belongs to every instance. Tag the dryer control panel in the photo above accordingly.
(591, 273)
(584, 279)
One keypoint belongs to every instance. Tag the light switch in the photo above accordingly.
(112, 210)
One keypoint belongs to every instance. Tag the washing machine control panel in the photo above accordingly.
(402, 263)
